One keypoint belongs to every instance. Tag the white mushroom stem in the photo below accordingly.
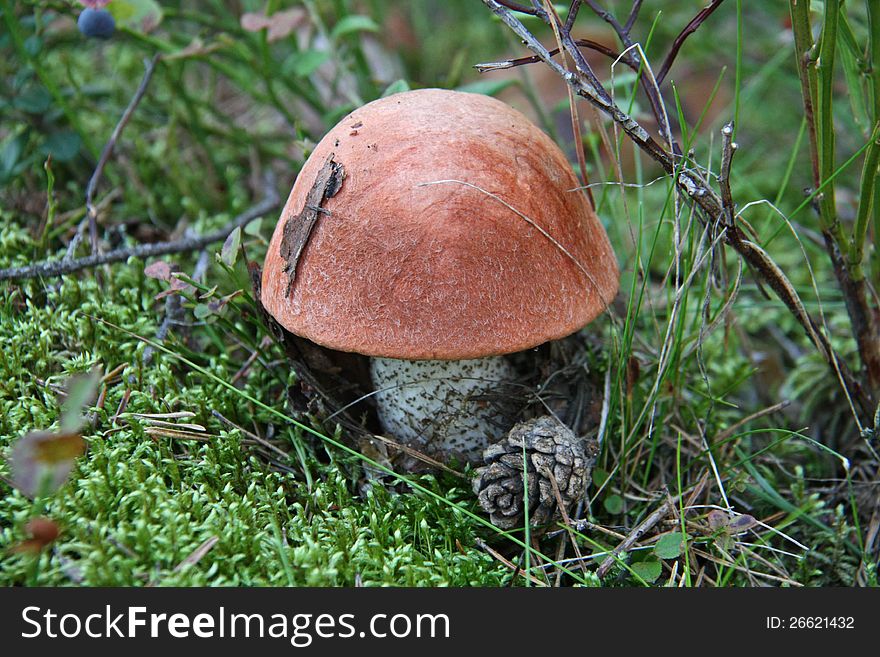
(447, 408)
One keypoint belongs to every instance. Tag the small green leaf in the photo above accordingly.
(600, 476)
(33, 45)
(253, 228)
(649, 569)
(34, 99)
(669, 546)
(63, 145)
(10, 154)
(303, 64)
(396, 87)
(201, 311)
(354, 23)
(137, 15)
(613, 504)
(229, 253)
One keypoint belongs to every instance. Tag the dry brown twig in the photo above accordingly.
(91, 212)
(269, 202)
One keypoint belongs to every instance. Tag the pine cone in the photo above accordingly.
(551, 449)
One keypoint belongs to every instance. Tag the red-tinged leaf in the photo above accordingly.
(718, 520)
(160, 270)
(285, 22)
(216, 305)
(41, 461)
(742, 523)
(730, 524)
(59, 448)
(42, 531)
(254, 22)
(176, 286)
(94, 4)
(280, 24)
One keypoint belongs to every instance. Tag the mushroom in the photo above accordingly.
(436, 232)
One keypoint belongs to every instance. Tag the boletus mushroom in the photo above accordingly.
(436, 232)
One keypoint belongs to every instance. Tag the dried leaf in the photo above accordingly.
(742, 523)
(196, 48)
(216, 305)
(285, 22)
(298, 229)
(176, 286)
(280, 24)
(719, 521)
(160, 270)
(41, 461)
(42, 532)
(197, 554)
(176, 414)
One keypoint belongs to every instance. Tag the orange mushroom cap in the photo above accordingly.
(457, 232)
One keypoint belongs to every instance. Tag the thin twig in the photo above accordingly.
(197, 554)
(59, 268)
(661, 512)
(257, 439)
(534, 59)
(729, 431)
(515, 6)
(689, 29)
(516, 569)
(691, 180)
(573, 10)
(728, 148)
(91, 213)
(633, 15)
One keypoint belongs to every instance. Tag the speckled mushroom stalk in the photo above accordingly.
(450, 407)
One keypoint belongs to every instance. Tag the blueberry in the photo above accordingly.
(96, 23)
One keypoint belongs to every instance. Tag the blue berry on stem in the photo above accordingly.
(96, 23)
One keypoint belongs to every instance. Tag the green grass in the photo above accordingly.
(693, 350)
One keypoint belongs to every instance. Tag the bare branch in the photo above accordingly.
(633, 15)
(61, 267)
(91, 213)
(689, 29)
(728, 148)
(573, 10)
(515, 6)
(691, 180)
